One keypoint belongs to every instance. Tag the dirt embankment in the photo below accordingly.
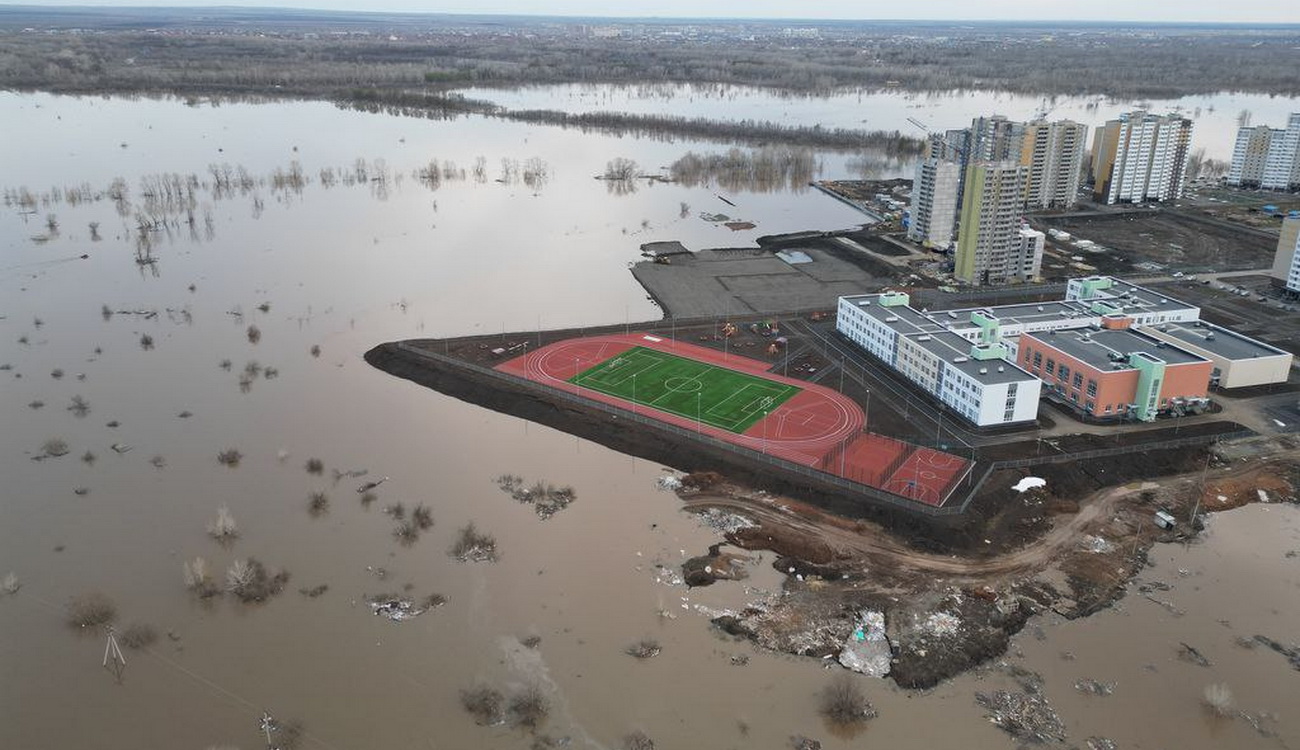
(947, 613)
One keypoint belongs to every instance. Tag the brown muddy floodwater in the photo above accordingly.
(360, 249)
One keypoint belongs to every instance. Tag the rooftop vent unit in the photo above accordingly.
(984, 371)
(1209, 336)
(891, 319)
(924, 337)
(1001, 368)
(960, 358)
(952, 314)
(1040, 308)
(864, 303)
(1160, 344)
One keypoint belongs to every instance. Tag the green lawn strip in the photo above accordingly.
(717, 396)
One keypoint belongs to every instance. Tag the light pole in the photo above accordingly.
(634, 393)
(577, 380)
(697, 412)
(765, 432)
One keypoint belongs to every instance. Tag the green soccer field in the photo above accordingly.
(695, 390)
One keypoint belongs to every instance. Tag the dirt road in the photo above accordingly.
(872, 546)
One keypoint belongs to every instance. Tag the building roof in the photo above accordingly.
(930, 331)
(1102, 349)
(1220, 342)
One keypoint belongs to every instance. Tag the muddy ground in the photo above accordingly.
(1152, 241)
(947, 613)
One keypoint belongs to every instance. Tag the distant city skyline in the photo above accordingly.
(1187, 11)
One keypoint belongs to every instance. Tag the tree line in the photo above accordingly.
(1143, 63)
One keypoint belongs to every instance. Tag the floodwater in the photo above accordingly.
(380, 254)
(1216, 116)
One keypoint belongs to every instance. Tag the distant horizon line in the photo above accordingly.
(55, 9)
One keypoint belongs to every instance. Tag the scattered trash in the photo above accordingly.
(1100, 743)
(1097, 545)
(1263, 496)
(942, 623)
(399, 608)
(646, 648)
(799, 742)
(120, 447)
(1026, 717)
(1093, 687)
(668, 483)
(723, 522)
(867, 649)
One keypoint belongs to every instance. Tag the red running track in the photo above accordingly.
(817, 427)
(804, 429)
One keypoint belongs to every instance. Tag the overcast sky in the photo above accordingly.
(1238, 11)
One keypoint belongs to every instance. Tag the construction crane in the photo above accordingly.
(961, 151)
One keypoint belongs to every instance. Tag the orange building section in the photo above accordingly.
(1187, 381)
(1108, 392)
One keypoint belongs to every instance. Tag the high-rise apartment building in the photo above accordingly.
(1140, 157)
(1052, 154)
(933, 216)
(1267, 157)
(1286, 263)
(988, 239)
(995, 139)
(1026, 261)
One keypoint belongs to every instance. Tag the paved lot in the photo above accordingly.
(721, 282)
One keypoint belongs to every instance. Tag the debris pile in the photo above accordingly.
(1028, 717)
(723, 522)
(1093, 687)
(867, 649)
(668, 483)
(398, 608)
(546, 499)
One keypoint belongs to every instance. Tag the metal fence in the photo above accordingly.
(866, 492)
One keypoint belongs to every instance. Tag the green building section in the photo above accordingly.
(967, 237)
(1151, 376)
(712, 395)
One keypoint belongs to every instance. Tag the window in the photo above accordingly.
(1038, 358)
(1092, 390)
(1051, 365)
(1078, 380)
(1064, 372)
